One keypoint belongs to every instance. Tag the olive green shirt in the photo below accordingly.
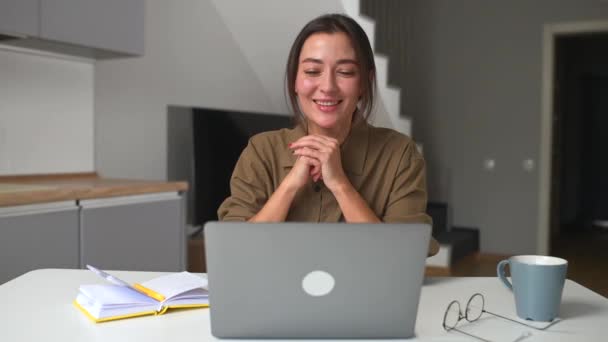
(383, 165)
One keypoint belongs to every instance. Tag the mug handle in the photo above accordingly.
(500, 270)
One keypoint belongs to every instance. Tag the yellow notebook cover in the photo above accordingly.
(120, 300)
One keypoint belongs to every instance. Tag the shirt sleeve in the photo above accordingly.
(248, 187)
(408, 197)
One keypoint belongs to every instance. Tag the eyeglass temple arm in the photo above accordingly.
(524, 324)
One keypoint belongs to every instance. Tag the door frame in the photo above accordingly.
(550, 34)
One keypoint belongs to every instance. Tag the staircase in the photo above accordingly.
(390, 97)
(455, 242)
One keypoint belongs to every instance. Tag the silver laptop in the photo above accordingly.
(307, 280)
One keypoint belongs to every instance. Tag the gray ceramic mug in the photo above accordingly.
(538, 282)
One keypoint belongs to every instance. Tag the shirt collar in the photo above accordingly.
(354, 149)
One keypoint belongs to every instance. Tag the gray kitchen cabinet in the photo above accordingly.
(19, 18)
(142, 232)
(114, 25)
(38, 236)
(86, 28)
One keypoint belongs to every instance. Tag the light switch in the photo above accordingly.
(489, 164)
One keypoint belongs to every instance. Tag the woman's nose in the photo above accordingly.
(328, 83)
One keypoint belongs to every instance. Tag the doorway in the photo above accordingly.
(579, 166)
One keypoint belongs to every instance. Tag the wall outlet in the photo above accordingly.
(528, 165)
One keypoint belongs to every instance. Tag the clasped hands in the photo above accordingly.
(318, 158)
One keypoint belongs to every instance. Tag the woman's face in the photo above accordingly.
(328, 82)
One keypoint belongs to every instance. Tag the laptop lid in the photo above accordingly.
(303, 280)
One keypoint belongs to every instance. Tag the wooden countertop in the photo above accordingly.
(21, 190)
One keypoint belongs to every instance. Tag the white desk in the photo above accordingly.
(38, 307)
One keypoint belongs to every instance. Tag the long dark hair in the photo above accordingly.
(335, 23)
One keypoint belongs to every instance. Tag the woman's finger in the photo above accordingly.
(309, 152)
(313, 164)
(316, 167)
(318, 138)
(325, 139)
(310, 144)
(315, 141)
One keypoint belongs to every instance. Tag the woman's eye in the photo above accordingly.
(347, 73)
(312, 72)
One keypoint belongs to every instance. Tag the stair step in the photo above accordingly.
(391, 98)
(352, 9)
(380, 116)
(403, 125)
(381, 62)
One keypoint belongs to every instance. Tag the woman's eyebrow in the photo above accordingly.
(312, 60)
(339, 61)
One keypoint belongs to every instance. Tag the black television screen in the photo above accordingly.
(219, 138)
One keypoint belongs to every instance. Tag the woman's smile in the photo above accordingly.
(327, 106)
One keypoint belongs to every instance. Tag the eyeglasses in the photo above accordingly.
(473, 311)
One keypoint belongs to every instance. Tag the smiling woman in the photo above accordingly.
(332, 166)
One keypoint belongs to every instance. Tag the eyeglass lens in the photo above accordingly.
(475, 307)
(452, 315)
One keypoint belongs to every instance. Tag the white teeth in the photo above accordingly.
(327, 103)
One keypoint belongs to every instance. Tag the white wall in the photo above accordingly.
(191, 59)
(46, 113)
(265, 30)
